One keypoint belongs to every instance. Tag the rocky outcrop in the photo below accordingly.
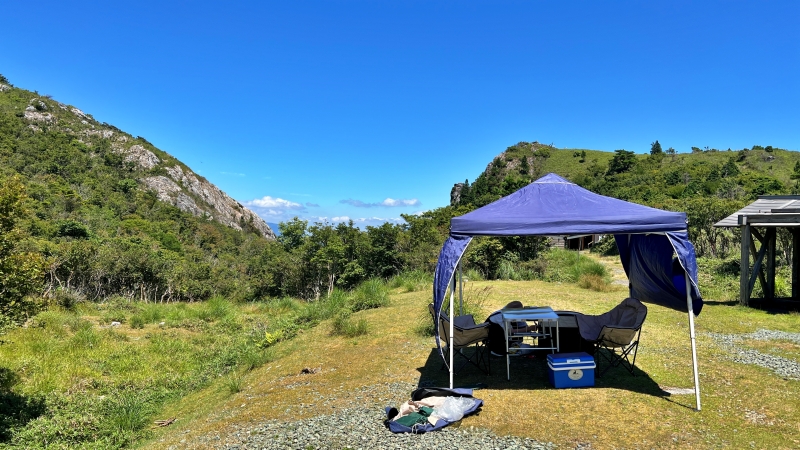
(141, 156)
(169, 192)
(226, 210)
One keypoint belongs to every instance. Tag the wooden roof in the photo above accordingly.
(767, 211)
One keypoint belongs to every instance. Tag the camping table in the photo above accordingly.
(547, 320)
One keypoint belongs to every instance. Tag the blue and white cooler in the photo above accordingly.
(570, 370)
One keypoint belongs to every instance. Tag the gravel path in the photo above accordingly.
(783, 367)
(362, 428)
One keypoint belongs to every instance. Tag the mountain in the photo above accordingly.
(171, 181)
(112, 215)
(652, 179)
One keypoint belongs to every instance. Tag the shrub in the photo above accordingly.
(607, 246)
(137, 321)
(568, 266)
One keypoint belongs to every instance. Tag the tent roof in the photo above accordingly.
(554, 206)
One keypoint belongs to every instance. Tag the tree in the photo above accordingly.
(622, 161)
(21, 273)
(524, 167)
(655, 148)
(730, 169)
(796, 172)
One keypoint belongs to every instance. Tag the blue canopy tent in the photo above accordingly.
(647, 239)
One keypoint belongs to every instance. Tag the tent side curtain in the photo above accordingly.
(654, 276)
(451, 253)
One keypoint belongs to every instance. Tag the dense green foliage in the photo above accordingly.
(101, 232)
(19, 270)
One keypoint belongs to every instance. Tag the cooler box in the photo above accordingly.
(569, 370)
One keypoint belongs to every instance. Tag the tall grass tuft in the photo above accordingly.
(568, 266)
(344, 325)
(594, 282)
(126, 415)
(215, 308)
(474, 301)
(412, 281)
(370, 294)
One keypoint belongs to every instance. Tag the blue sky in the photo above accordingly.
(329, 110)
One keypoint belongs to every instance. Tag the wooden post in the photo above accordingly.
(769, 289)
(758, 260)
(744, 281)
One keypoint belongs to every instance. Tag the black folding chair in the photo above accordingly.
(466, 334)
(615, 334)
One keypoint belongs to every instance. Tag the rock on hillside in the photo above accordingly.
(172, 181)
(185, 190)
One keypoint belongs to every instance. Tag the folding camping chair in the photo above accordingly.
(615, 334)
(466, 333)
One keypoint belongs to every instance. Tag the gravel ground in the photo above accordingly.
(362, 428)
(783, 367)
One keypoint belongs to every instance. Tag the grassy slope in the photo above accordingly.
(742, 404)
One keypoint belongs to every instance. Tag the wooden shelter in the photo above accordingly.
(759, 222)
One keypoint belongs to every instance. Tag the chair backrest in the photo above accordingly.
(462, 337)
(625, 320)
(623, 323)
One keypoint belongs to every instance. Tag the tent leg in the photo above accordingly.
(692, 336)
(460, 290)
(450, 346)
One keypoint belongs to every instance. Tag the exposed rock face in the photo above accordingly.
(226, 210)
(141, 156)
(168, 191)
(455, 194)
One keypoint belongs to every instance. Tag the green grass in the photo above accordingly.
(78, 381)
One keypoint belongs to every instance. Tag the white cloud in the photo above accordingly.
(393, 202)
(277, 203)
(234, 174)
(389, 202)
(274, 209)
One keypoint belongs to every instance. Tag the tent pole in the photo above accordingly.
(630, 285)
(450, 346)
(460, 290)
(692, 336)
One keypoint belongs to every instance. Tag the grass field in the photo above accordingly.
(71, 379)
(743, 406)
